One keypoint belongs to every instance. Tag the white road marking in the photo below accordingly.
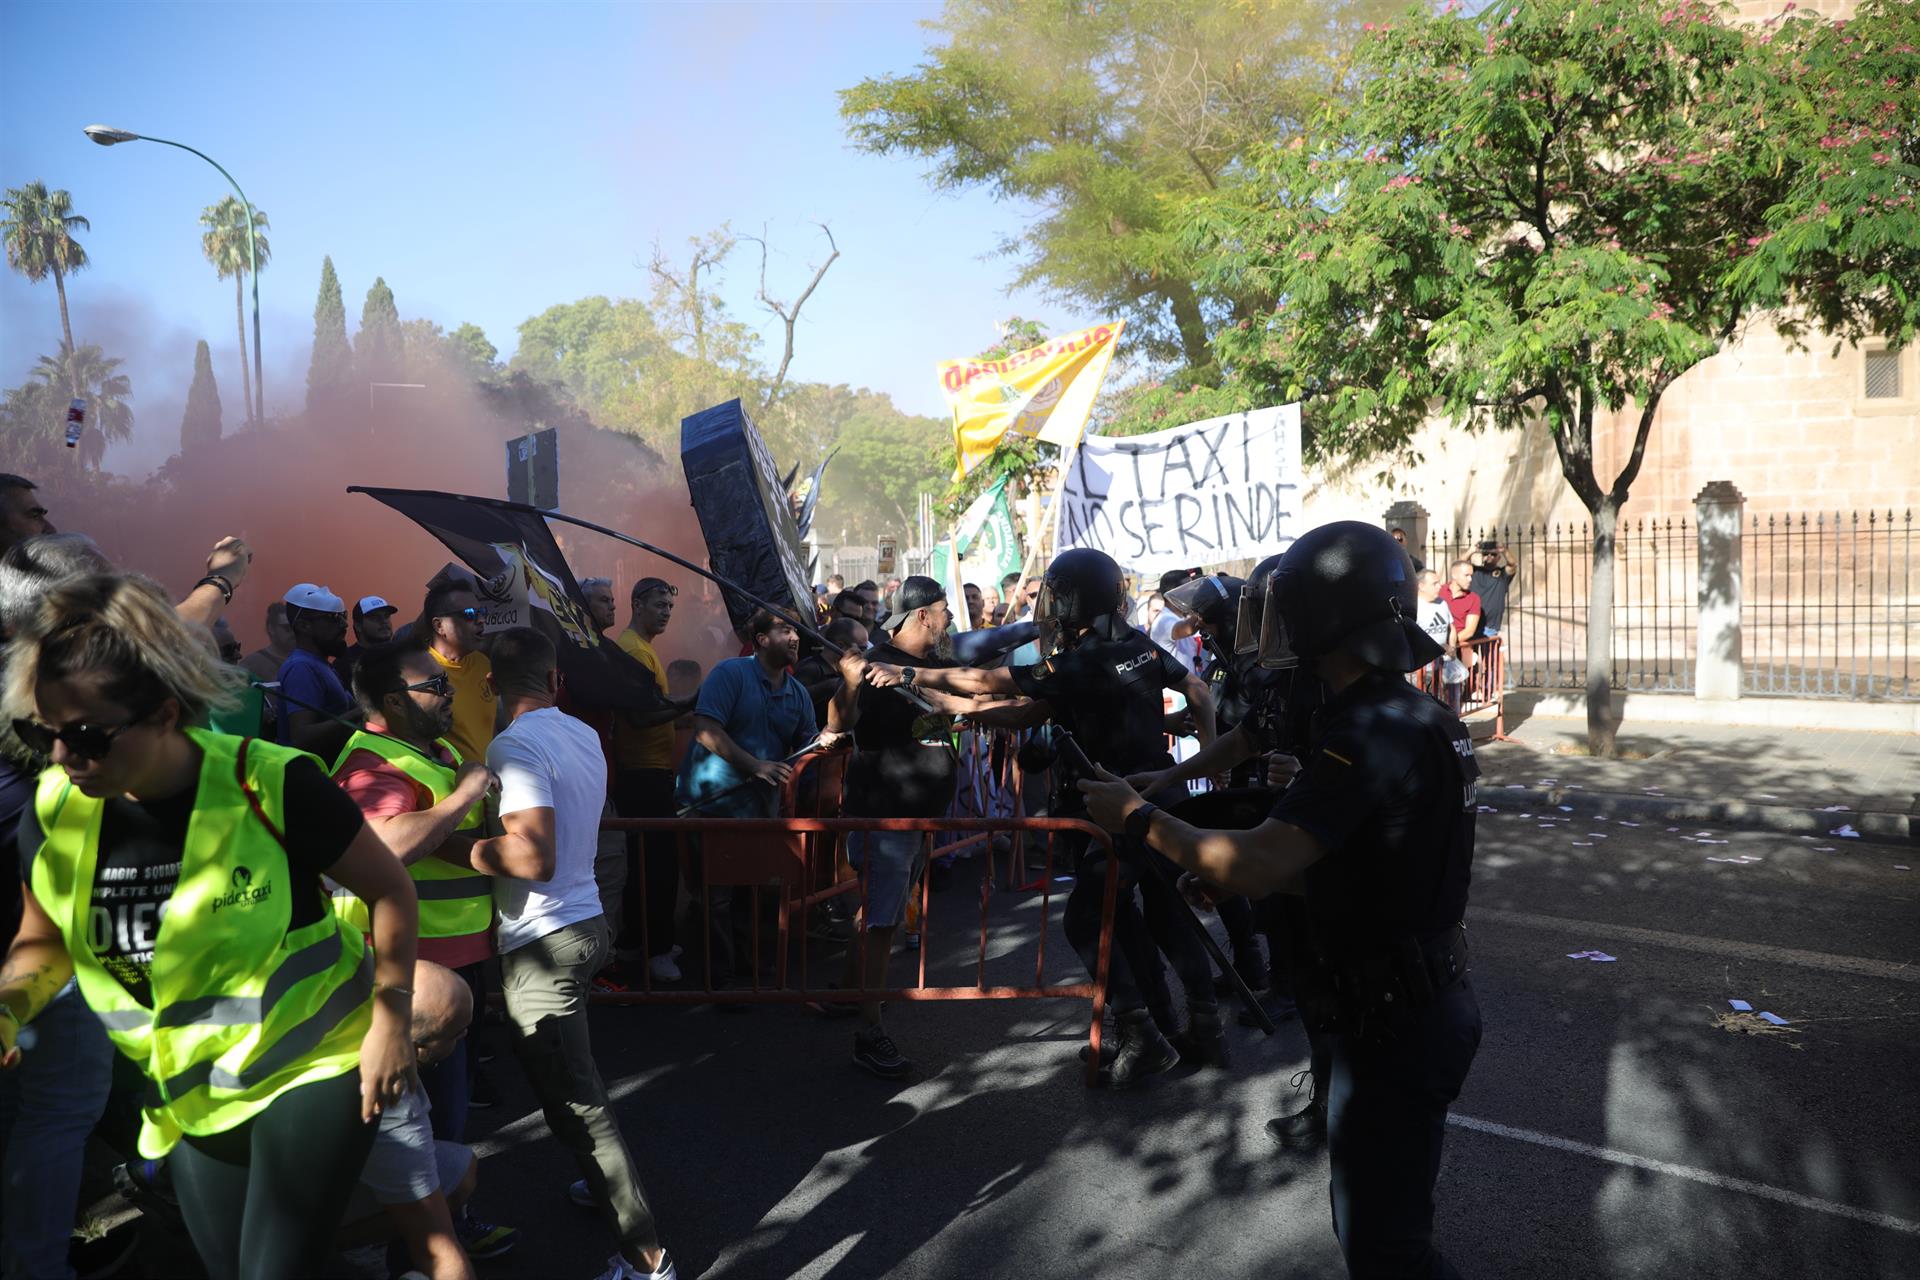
(1872, 1217)
(1692, 942)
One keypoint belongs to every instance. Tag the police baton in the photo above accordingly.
(1078, 759)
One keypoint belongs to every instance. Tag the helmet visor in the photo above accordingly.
(1276, 644)
(1246, 627)
(1193, 598)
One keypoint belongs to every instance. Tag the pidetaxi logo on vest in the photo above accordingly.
(244, 892)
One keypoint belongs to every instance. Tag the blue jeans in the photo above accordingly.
(48, 1106)
(890, 859)
(1386, 1115)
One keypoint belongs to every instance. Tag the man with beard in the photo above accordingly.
(904, 766)
(751, 716)
(450, 619)
(311, 694)
(372, 627)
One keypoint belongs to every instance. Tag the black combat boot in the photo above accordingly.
(1141, 1051)
(1204, 1042)
(1305, 1128)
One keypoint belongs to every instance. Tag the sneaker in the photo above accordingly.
(874, 1049)
(618, 1268)
(483, 1240)
(608, 980)
(144, 1184)
(578, 1193)
(663, 969)
(826, 926)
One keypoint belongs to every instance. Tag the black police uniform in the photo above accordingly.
(1106, 691)
(1387, 788)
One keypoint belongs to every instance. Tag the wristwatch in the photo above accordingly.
(907, 674)
(1135, 826)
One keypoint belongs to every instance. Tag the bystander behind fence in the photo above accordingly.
(1830, 603)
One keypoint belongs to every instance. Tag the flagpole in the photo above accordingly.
(522, 508)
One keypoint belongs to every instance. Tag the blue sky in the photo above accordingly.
(489, 160)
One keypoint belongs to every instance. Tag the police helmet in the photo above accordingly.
(1346, 587)
(1212, 601)
(1253, 597)
(1081, 587)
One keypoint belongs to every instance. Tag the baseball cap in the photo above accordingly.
(305, 595)
(372, 604)
(645, 585)
(916, 592)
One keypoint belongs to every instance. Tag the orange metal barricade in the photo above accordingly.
(1485, 687)
(781, 854)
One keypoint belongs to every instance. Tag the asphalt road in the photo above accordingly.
(1618, 1121)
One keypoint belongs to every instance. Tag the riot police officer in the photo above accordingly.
(1102, 681)
(1377, 832)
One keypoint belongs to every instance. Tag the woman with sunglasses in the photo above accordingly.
(175, 872)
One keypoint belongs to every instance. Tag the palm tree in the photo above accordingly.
(38, 231)
(107, 391)
(225, 244)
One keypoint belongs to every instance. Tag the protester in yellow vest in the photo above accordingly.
(175, 873)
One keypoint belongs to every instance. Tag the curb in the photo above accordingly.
(1897, 828)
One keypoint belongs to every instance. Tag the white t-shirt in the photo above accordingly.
(1186, 648)
(546, 759)
(1436, 619)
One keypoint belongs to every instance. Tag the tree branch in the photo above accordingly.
(1623, 483)
(789, 313)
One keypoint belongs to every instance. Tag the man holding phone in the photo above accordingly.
(1493, 575)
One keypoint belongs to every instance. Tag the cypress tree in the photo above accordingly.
(378, 349)
(200, 424)
(330, 372)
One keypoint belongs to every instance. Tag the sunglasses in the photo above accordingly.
(470, 613)
(438, 686)
(87, 741)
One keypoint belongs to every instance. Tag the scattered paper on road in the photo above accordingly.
(1583, 844)
(1598, 957)
(1741, 1005)
(1846, 831)
(1773, 1019)
(1835, 808)
(1565, 808)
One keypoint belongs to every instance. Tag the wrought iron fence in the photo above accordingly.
(1544, 628)
(1831, 605)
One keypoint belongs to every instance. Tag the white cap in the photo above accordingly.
(306, 595)
(373, 604)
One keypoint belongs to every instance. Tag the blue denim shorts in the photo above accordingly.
(891, 860)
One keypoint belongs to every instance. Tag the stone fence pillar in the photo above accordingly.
(1719, 511)
(1411, 516)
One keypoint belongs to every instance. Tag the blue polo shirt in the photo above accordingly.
(768, 723)
(307, 683)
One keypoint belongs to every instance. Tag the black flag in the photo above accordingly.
(523, 580)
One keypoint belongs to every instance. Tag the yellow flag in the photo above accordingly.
(1045, 392)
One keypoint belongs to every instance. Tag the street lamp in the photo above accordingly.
(107, 136)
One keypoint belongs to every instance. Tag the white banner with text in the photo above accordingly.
(1223, 489)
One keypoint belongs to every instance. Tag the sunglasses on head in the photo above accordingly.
(88, 741)
(438, 686)
(470, 613)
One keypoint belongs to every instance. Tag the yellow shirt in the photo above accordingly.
(473, 703)
(642, 748)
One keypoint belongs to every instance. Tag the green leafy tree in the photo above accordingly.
(38, 231)
(200, 424)
(39, 408)
(480, 356)
(1104, 118)
(225, 244)
(379, 349)
(1553, 209)
(330, 370)
(886, 460)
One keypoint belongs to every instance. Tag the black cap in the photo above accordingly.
(916, 592)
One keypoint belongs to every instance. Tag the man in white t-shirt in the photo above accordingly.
(1436, 619)
(553, 938)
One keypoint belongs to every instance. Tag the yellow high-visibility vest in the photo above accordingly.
(244, 1007)
(455, 902)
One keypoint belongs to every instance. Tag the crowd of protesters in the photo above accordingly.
(362, 831)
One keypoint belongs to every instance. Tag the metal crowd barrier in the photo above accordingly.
(780, 862)
(1485, 687)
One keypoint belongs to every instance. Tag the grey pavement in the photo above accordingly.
(1801, 781)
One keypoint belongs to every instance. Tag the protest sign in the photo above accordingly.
(1045, 392)
(1223, 489)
